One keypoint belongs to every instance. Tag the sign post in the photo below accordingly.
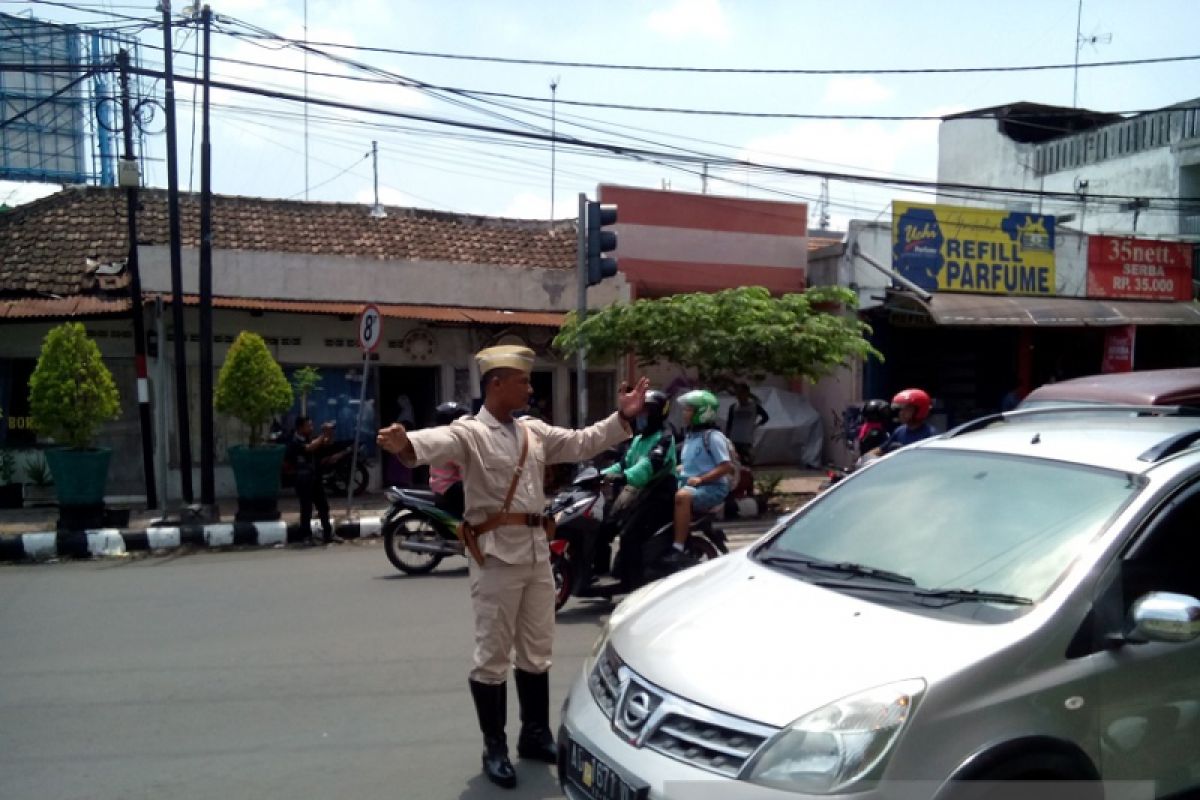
(370, 332)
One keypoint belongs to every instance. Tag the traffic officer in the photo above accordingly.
(512, 590)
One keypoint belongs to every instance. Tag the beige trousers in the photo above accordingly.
(514, 609)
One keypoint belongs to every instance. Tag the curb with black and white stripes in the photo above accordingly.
(117, 542)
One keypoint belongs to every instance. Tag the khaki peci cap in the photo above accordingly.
(508, 355)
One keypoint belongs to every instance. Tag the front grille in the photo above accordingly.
(704, 744)
(647, 716)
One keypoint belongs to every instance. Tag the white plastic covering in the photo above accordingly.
(793, 435)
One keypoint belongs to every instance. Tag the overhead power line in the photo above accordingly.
(634, 152)
(708, 112)
(743, 70)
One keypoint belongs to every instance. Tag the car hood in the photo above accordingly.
(748, 640)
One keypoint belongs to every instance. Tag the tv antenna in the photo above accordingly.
(1080, 40)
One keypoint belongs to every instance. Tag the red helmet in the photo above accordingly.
(917, 398)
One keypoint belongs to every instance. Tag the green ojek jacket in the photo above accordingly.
(648, 457)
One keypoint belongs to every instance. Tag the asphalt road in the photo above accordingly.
(267, 674)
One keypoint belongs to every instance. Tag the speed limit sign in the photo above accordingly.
(370, 329)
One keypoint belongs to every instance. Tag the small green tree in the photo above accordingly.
(251, 386)
(304, 382)
(743, 332)
(71, 391)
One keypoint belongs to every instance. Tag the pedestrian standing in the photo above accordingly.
(304, 454)
(745, 415)
(512, 591)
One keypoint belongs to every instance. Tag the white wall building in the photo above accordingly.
(1085, 154)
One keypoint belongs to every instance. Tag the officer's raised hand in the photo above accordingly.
(630, 401)
(393, 438)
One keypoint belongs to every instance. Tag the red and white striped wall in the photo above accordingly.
(673, 242)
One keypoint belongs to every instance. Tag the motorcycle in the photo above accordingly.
(336, 459)
(581, 554)
(337, 474)
(418, 535)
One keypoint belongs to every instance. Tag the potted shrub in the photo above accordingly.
(39, 483)
(11, 491)
(71, 393)
(305, 381)
(252, 388)
(766, 487)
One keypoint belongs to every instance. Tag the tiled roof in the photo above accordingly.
(46, 246)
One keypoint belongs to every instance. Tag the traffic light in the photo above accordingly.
(600, 242)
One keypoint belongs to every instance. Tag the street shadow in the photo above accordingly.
(437, 574)
(534, 780)
(585, 611)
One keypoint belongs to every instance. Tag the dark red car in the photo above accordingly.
(1155, 387)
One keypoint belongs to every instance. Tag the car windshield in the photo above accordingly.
(952, 520)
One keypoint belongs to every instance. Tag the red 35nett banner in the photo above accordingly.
(1139, 269)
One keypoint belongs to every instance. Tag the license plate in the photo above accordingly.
(596, 779)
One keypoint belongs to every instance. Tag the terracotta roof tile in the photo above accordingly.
(45, 245)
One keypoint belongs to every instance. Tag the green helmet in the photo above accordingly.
(700, 407)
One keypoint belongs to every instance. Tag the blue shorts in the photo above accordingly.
(707, 496)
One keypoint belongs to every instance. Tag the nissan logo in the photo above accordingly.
(637, 709)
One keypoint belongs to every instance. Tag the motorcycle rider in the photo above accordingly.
(876, 425)
(912, 408)
(446, 479)
(706, 471)
(648, 468)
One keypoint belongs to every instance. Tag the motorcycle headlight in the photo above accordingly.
(392, 494)
(834, 747)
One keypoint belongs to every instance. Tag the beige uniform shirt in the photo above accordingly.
(488, 451)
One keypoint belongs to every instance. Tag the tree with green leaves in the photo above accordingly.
(737, 333)
(71, 391)
(251, 386)
(304, 382)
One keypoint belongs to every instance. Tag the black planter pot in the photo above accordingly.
(12, 495)
(256, 471)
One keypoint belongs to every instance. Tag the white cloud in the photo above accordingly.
(290, 78)
(535, 205)
(848, 146)
(861, 90)
(687, 19)
(387, 197)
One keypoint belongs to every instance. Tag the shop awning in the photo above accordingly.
(455, 315)
(1065, 312)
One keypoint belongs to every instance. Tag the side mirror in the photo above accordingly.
(1164, 617)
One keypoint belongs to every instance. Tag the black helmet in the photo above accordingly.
(449, 411)
(656, 408)
(877, 411)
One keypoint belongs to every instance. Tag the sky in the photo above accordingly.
(259, 144)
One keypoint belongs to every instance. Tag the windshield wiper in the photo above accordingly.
(974, 596)
(844, 567)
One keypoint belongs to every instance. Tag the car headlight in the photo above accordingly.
(838, 745)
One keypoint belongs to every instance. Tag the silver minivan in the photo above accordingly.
(1012, 601)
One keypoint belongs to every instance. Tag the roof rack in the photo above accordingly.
(1170, 446)
(1077, 408)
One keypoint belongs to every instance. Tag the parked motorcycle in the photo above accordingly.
(582, 557)
(336, 460)
(337, 472)
(417, 534)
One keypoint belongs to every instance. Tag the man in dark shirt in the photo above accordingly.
(304, 455)
(912, 407)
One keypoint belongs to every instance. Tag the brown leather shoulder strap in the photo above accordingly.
(516, 478)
